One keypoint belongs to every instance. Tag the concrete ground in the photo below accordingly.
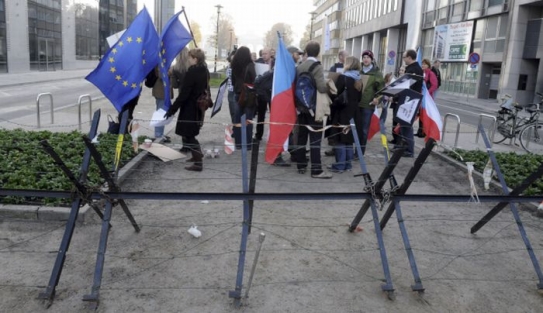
(309, 261)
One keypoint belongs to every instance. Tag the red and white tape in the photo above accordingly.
(229, 146)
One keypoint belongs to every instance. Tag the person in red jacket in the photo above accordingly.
(431, 83)
(430, 77)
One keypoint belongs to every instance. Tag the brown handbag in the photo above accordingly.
(247, 98)
(204, 100)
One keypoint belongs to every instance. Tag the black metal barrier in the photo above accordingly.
(372, 193)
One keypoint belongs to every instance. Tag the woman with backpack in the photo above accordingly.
(243, 74)
(346, 105)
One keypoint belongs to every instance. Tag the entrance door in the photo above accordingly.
(494, 82)
(46, 60)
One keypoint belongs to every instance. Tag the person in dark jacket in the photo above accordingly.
(343, 147)
(243, 72)
(190, 116)
(413, 68)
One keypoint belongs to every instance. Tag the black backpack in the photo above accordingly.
(306, 91)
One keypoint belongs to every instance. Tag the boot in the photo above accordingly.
(197, 157)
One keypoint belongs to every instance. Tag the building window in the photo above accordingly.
(496, 29)
(3, 44)
(86, 31)
(494, 2)
(476, 5)
(44, 32)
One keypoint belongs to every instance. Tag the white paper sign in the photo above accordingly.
(407, 110)
(261, 68)
(158, 119)
(112, 40)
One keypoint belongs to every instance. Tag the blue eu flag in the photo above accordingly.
(174, 38)
(121, 72)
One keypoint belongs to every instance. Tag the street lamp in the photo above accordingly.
(231, 32)
(311, 27)
(219, 7)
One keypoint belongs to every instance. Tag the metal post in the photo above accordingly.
(311, 27)
(445, 126)
(261, 238)
(219, 7)
(236, 294)
(492, 129)
(38, 107)
(231, 43)
(79, 102)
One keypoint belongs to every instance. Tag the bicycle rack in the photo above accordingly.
(445, 126)
(79, 102)
(492, 129)
(38, 107)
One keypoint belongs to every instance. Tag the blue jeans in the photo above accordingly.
(232, 105)
(344, 156)
(362, 122)
(406, 134)
(159, 130)
(249, 112)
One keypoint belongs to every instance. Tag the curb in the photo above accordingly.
(48, 213)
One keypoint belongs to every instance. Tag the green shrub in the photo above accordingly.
(515, 167)
(25, 165)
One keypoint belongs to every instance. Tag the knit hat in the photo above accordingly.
(368, 53)
(292, 49)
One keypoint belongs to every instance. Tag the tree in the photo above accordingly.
(197, 33)
(227, 34)
(307, 34)
(270, 38)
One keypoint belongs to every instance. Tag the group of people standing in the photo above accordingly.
(357, 85)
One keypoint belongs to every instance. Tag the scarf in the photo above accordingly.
(367, 69)
(354, 74)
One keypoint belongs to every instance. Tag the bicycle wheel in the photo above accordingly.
(504, 130)
(531, 138)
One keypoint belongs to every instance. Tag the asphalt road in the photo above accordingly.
(20, 100)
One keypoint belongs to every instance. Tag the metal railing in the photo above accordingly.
(445, 127)
(492, 129)
(38, 107)
(79, 103)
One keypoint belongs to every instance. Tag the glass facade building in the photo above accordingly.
(49, 35)
(44, 34)
(3, 43)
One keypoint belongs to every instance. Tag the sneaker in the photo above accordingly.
(332, 169)
(302, 170)
(280, 162)
(329, 152)
(408, 155)
(323, 175)
(164, 139)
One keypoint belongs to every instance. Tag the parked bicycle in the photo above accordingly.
(529, 130)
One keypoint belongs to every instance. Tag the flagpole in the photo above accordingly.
(188, 24)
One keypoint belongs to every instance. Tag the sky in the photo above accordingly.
(251, 18)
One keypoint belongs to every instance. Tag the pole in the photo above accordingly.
(311, 27)
(218, 6)
(231, 47)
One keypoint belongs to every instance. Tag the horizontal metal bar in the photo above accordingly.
(265, 196)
